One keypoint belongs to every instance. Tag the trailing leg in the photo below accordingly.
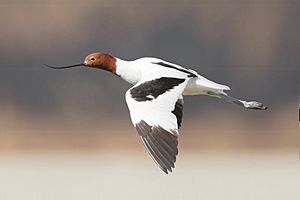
(245, 104)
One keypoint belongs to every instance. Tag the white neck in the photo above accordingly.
(128, 71)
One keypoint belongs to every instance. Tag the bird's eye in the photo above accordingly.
(92, 59)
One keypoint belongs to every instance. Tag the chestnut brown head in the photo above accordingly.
(97, 60)
(101, 61)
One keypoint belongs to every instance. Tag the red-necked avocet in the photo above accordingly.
(155, 100)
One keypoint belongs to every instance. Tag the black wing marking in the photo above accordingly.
(178, 111)
(190, 74)
(152, 89)
(160, 143)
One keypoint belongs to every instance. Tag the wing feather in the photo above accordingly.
(157, 118)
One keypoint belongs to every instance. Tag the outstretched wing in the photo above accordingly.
(156, 112)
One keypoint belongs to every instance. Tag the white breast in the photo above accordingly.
(128, 71)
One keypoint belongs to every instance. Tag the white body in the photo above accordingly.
(158, 111)
(134, 71)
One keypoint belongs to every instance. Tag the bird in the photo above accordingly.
(155, 100)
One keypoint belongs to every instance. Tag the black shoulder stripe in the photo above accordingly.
(190, 74)
(178, 111)
(152, 89)
(161, 144)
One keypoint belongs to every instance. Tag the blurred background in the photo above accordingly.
(66, 134)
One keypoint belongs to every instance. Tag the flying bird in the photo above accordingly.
(155, 100)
